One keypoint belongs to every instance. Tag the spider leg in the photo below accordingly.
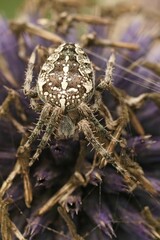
(126, 102)
(115, 137)
(24, 152)
(41, 122)
(106, 82)
(87, 113)
(100, 107)
(85, 127)
(27, 89)
(106, 154)
(51, 126)
(36, 105)
(102, 132)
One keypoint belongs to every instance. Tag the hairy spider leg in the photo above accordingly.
(27, 89)
(84, 110)
(88, 114)
(106, 84)
(114, 139)
(100, 106)
(107, 80)
(41, 122)
(51, 126)
(29, 75)
(84, 126)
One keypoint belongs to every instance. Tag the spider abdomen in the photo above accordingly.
(66, 78)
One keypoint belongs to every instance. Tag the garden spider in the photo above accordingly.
(66, 97)
(64, 88)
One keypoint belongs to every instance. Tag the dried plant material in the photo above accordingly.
(6, 72)
(136, 174)
(117, 9)
(65, 21)
(5, 109)
(35, 30)
(8, 228)
(5, 221)
(23, 160)
(155, 67)
(62, 195)
(8, 182)
(137, 102)
(136, 123)
(154, 224)
(70, 224)
(92, 39)
(58, 5)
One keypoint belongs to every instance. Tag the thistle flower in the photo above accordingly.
(106, 207)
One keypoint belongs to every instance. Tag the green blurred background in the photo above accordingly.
(10, 8)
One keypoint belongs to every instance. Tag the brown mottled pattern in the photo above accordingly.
(68, 79)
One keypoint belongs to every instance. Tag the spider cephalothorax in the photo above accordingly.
(66, 78)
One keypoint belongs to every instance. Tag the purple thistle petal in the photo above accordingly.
(132, 222)
(110, 186)
(146, 149)
(64, 151)
(99, 214)
(9, 48)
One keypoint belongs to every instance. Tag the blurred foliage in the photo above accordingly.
(10, 8)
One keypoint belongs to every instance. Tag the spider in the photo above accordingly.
(63, 92)
(67, 98)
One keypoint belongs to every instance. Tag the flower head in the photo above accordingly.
(118, 201)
